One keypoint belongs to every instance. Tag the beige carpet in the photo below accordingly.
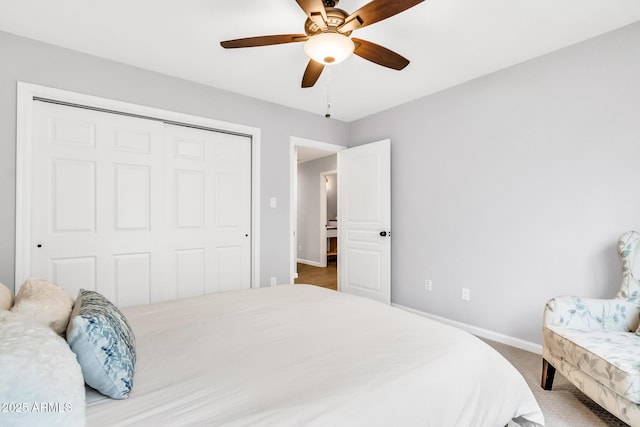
(565, 405)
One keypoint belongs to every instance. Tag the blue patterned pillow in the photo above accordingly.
(101, 338)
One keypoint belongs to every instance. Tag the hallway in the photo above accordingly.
(323, 277)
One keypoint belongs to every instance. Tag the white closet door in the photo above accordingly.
(209, 210)
(97, 201)
(141, 217)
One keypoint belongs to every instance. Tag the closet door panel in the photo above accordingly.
(208, 209)
(97, 201)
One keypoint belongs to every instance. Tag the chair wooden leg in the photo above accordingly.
(548, 372)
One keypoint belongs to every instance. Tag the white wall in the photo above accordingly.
(34, 62)
(516, 185)
(309, 181)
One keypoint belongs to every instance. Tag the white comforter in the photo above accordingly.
(306, 356)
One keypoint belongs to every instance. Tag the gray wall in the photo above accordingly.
(34, 62)
(332, 196)
(308, 223)
(516, 185)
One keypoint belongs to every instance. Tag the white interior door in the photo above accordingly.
(136, 209)
(364, 218)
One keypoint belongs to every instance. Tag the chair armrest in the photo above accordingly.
(587, 314)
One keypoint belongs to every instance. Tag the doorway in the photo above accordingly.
(318, 223)
(312, 164)
(329, 217)
(364, 212)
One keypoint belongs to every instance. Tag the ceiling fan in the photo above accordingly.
(327, 30)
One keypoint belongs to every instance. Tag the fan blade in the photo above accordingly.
(312, 73)
(315, 11)
(375, 11)
(264, 40)
(379, 55)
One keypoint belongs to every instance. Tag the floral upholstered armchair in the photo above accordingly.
(595, 343)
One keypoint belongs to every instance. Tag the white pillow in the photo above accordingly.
(41, 383)
(6, 297)
(45, 303)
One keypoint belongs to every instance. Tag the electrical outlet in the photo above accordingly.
(299, 247)
(428, 285)
(466, 294)
(273, 281)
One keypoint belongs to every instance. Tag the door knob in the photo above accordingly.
(383, 233)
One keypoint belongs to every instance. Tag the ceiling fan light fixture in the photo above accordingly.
(329, 48)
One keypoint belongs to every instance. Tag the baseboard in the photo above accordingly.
(306, 261)
(484, 333)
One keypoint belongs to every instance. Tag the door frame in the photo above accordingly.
(28, 92)
(294, 143)
(323, 214)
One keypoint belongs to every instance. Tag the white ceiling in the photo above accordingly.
(447, 41)
(306, 154)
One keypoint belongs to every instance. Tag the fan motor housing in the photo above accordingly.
(335, 18)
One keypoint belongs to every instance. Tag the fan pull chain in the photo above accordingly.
(328, 113)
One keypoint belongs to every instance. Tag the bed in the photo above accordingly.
(299, 355)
